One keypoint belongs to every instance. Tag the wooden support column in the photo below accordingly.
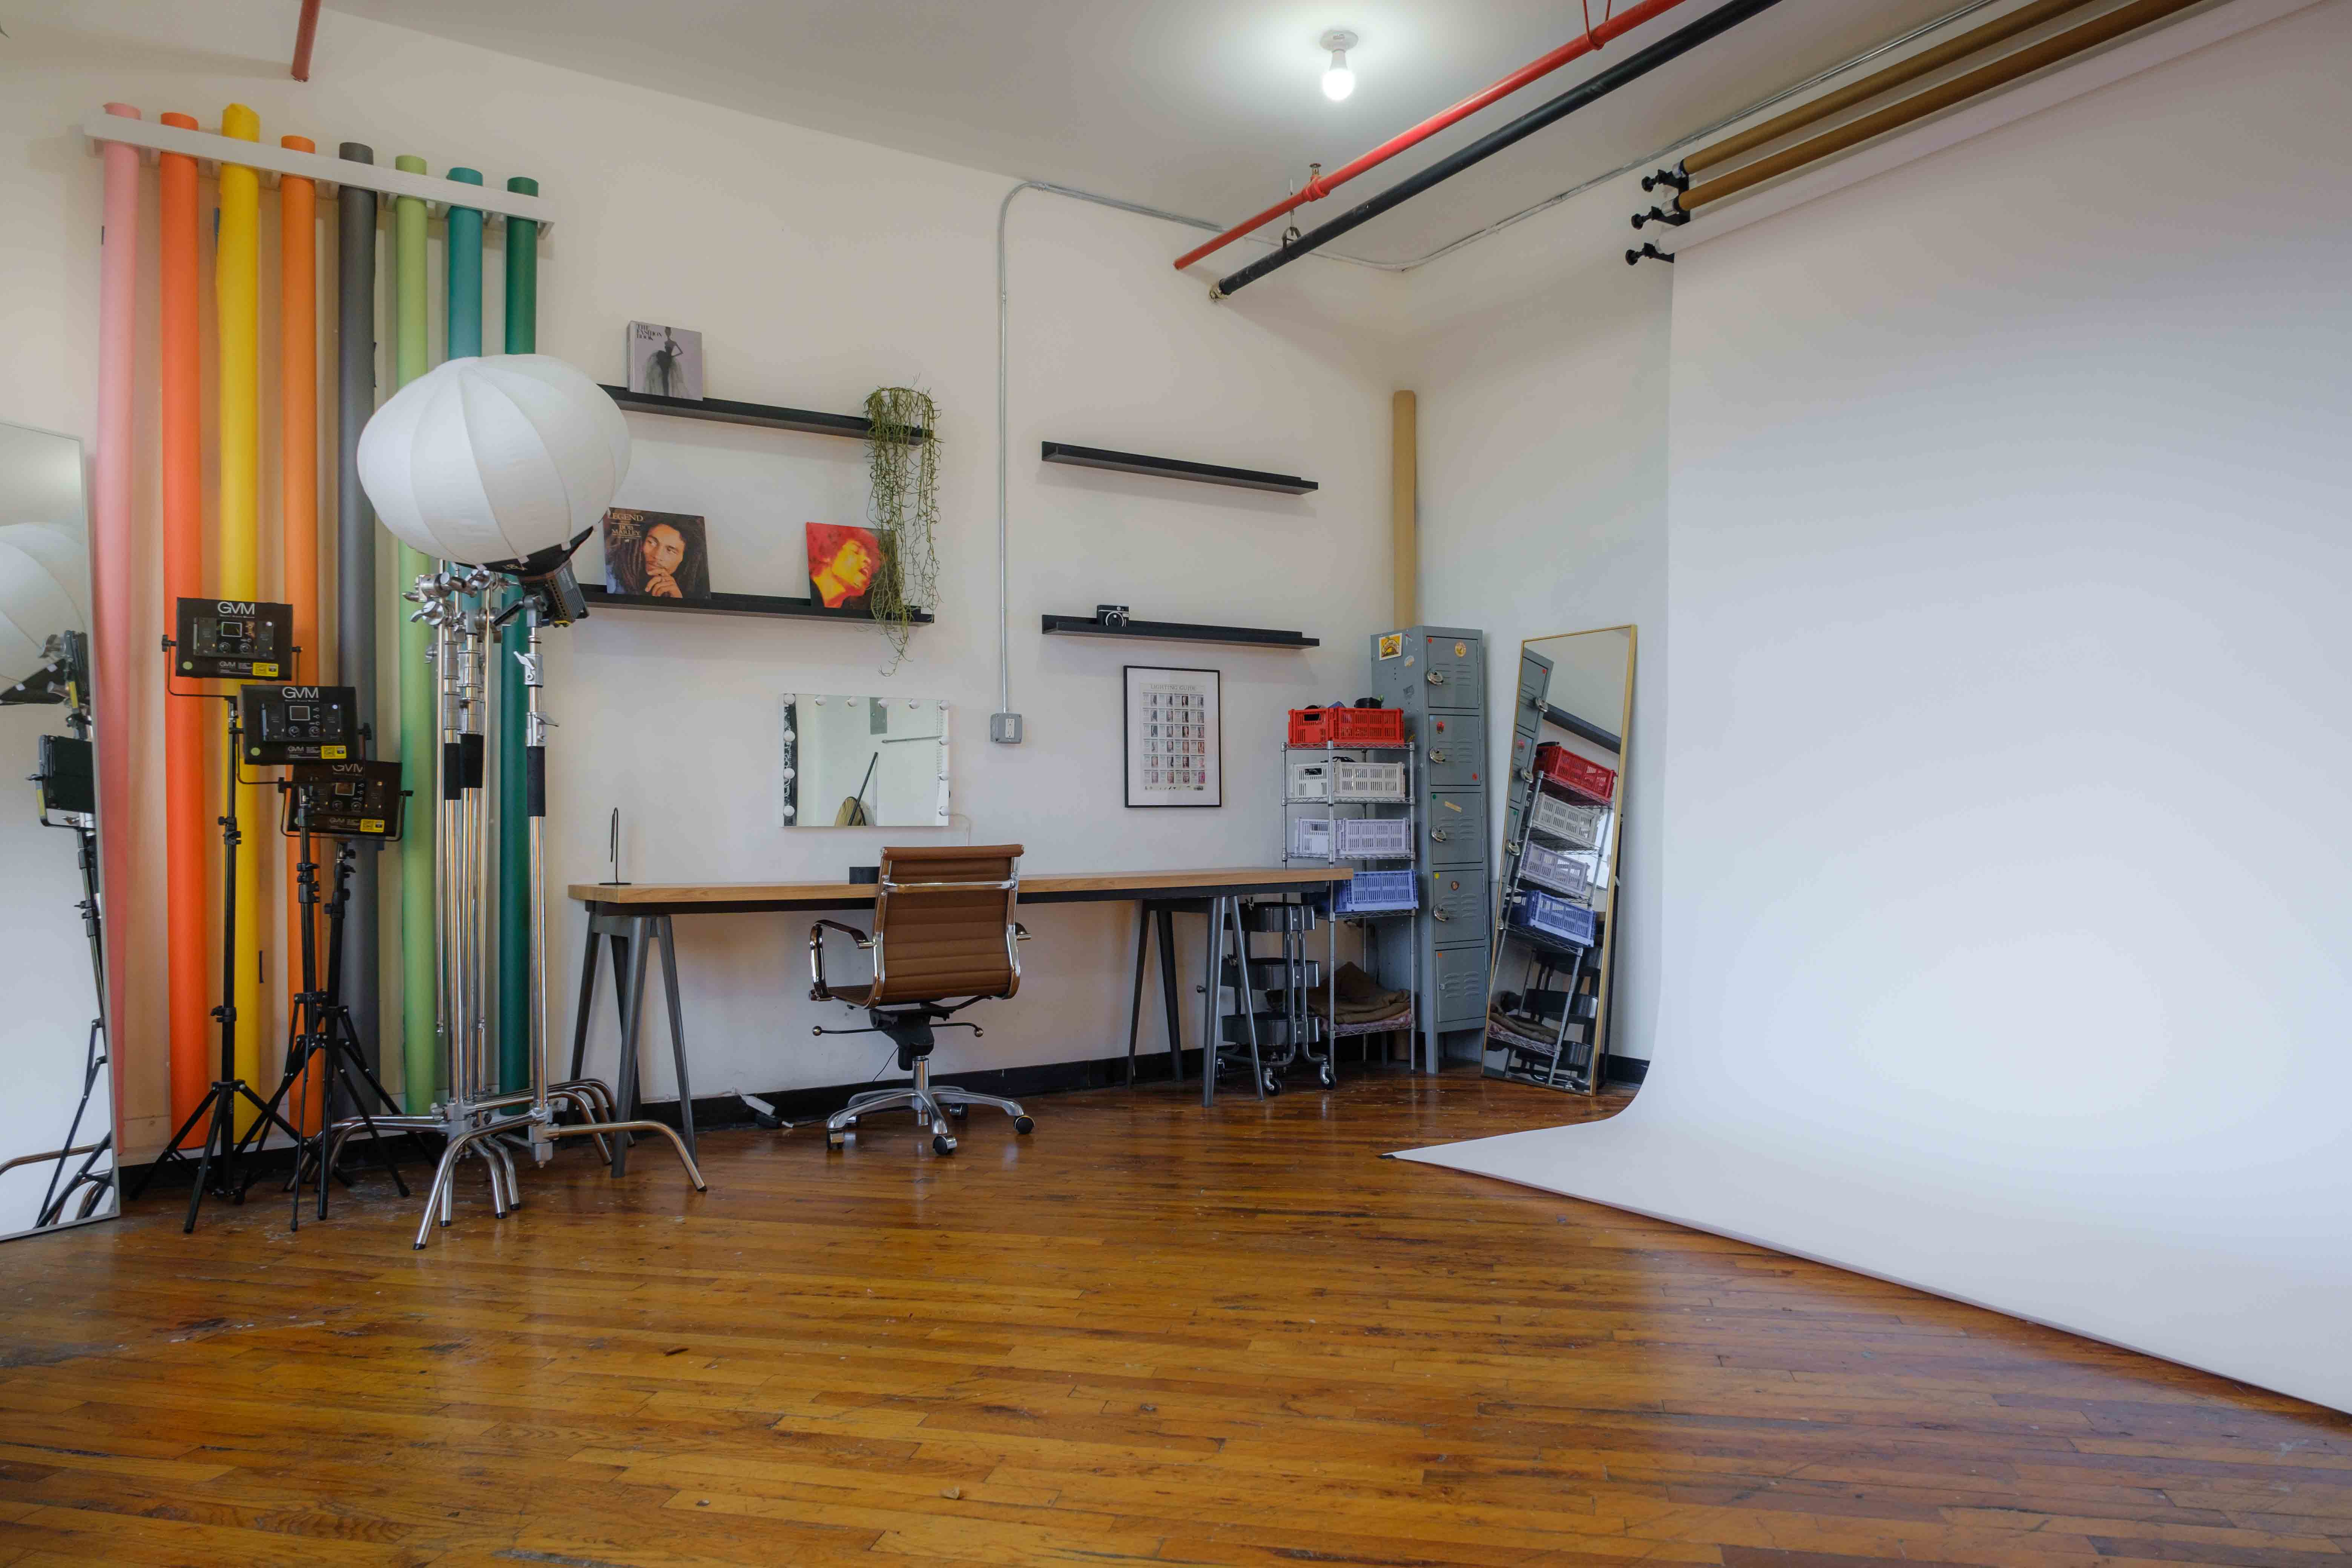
(1404, 507)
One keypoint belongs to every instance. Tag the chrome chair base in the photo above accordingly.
(932, 1107)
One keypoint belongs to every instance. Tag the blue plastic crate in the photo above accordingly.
(1555, 918)
(1377, 892)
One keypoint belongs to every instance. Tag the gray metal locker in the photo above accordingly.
(1437, 675)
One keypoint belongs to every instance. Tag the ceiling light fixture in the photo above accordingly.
(1338, 81)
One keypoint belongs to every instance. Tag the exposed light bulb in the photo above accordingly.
(1338, 81)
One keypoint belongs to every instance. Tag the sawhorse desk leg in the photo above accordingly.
(632, 938)
(1159, 914)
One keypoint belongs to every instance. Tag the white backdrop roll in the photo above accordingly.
(2007, 885)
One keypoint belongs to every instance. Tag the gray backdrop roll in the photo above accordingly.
(355, 557)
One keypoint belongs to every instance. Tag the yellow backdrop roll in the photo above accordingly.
(236, 298)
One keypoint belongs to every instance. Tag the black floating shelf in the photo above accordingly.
(1174, 469)
(1176, 631)
(809, 421)
(732, 604)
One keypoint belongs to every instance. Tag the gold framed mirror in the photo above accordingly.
(1556, 891)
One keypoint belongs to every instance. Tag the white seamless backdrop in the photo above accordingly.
(2007, 766)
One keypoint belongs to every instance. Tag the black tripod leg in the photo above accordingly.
(375, 1136)
(172, 1151)
(221, 1132)
(251, 1141)
(259, 1104)
(587, 1001)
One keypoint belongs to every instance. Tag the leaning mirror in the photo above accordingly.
(864, 762)
(1548, 1001)
(56, 1108)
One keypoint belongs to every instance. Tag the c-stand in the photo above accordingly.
(322, 1028)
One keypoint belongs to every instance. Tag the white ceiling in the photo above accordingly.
(1211, 108)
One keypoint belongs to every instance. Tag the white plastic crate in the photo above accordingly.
(1311, 837)
(1378, 892)
(1371, 837)
(1584, 826)
(1566, 872)
(1369, 781)
(1310, 780)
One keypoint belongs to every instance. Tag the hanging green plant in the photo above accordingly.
(904, 470)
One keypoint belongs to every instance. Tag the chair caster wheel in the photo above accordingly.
(836, 1139)
(1024, 1124)
(1325, 1076)
(1273, 1083)
(942, 1144)
(959, 1112)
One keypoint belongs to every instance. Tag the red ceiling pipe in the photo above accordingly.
(1315, 189)
(306, 33)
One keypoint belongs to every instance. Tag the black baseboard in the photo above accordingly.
(1628, 1069)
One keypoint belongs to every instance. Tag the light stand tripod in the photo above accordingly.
(324, 1044)
(220, 1101)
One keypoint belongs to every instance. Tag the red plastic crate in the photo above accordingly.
(1347, 726)
(1586, 777)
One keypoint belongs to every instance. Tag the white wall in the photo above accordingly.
(2007, 766)
(818, 269)
(1539, 362)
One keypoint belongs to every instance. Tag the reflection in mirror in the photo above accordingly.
(56, 1111)
(1547, 1007)
(865, 762)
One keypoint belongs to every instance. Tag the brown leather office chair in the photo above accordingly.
(944, 937)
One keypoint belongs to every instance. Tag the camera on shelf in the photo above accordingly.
(298, 723)
(232, 639)
(345, 800)
(1112, 617)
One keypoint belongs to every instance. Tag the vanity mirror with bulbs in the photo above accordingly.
(864, 762)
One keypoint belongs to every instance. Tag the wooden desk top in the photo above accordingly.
(1045, 887)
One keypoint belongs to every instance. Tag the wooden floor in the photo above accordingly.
(1147, 1333)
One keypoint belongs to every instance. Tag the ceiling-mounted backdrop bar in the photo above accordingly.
(1597, 86)
(329, 172)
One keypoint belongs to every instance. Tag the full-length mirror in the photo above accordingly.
(56, 1111)
(865, 762)
(1547, 1005)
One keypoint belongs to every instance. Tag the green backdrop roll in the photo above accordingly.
(514, 825)
(462, 263)
(420, 1048)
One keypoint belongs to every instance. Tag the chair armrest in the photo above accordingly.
(818, 989)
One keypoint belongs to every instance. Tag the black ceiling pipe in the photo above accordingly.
(1598, 85)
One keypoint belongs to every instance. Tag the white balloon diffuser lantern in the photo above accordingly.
(487, 461)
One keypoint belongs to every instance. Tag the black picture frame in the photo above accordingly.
(1144, 691)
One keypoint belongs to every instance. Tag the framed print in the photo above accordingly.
(1175, 743)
